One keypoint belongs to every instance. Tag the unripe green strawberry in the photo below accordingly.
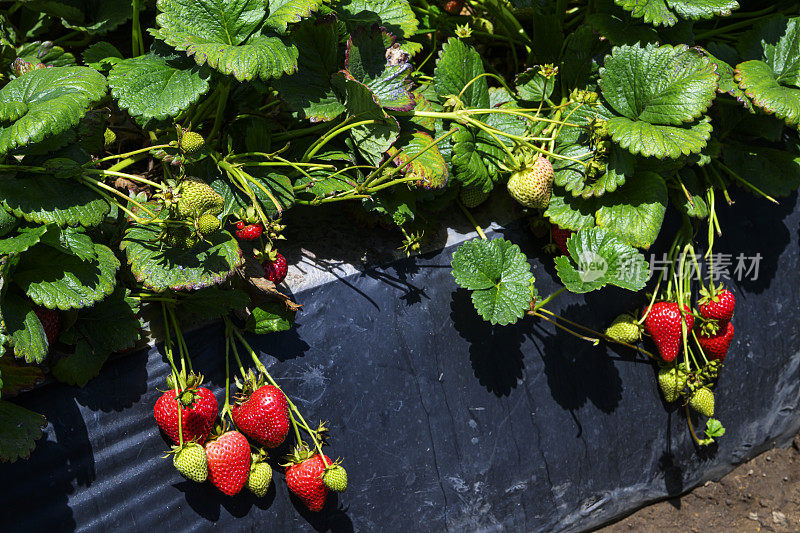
(259, 478)
(335, 478)
(180, 237)
(207, 224)
(7, 222)
(533, 185)
(198, 198)
(191, 462)
(702, 401)
(672, 381)
(625, 328)
(192, 143)
(109, 137)
(472, 196)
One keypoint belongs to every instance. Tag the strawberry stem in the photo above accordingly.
(471, 219)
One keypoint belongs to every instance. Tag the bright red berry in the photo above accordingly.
(249, 232)
(560, 237)
(716, 346)
(198, 413)
(276, 269)
(51, 322)
(305, 480)
(663, 323)
(454, 6)
(228, 462)
(719, 308)
(264, 416)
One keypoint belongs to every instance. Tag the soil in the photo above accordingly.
(760, 495)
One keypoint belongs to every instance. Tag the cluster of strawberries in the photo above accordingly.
(275, 267)
(225, 456)
(713, 330)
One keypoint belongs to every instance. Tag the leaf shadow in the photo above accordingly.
(495, 351)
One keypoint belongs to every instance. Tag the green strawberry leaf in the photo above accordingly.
(22, 240)
(92, 16)
(621, 30)
(572, 176)
(23, 326)
(17, 377)
(636, 211)
(270, 317)
(157, 85)
(110, 325)
(760, 83)
(570, 212)
(533, 86)
(666, 12)
(19, 430)
(774, 172)
(654, 140)
(714, 428)
(284, 12)
(64, 281)
(371, 140)
(161, 268)
(727, 82)
(499, 275)
(308, 91)
(385, 74)
(71, 240)
(214, 302)
(668, 85)
(45, 199)
(101, 55)
(475, 158)
(78, 368)
(394, 15)
(322, 184)
(229, 36)
(597, 258)
(457, 66)
(46, 102)
(45, 53)
(771, 77)
(428, 165)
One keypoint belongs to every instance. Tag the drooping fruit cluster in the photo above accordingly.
(716, 307)
(304, 477)
(533, 185)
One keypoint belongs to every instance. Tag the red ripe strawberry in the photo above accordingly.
(453, 6)
(305, 480)
(663, 323)
(51, 322)
(560, 237)
(249, 232)
(264, 417)
(199, 412)
(228, 462)
(716, 345)
(720, 307)
(276, 269)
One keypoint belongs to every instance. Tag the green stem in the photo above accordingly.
(225, 88)
(317, 146)
(548, 299)
(127, 154)
(131, 177)
(137, 42)
(471, 220)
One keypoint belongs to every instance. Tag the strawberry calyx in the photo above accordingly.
(299, 454)
(249, 383)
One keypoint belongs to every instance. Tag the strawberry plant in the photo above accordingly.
(152, 153)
